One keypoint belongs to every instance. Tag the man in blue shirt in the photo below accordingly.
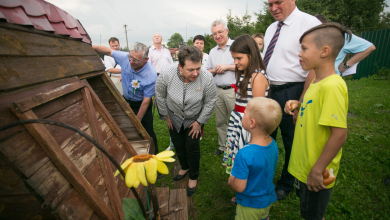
(138, 81)
(359, 46)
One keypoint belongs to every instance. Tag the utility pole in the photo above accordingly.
(126, 39)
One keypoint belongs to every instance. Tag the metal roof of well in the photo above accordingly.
(43, 16)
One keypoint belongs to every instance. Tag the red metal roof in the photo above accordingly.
(43, 16)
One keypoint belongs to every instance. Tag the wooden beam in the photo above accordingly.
(104, 162)
(19, 72)
(110, 121)
(65, 165)
(125, 106)
(41, 98)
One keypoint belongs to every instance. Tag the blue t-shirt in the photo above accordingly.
(356, 45)
(256, 164)
(146, 77)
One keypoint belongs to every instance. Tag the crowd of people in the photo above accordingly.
(294, 85)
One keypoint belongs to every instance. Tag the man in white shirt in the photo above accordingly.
(221, 65)
(159, 56)
(113, 69)
(288, 79)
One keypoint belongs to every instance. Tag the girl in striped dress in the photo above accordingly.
(252, 81)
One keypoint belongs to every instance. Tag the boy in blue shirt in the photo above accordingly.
(255, 164)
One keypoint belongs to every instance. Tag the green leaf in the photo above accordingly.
(378, 105)
(131, 209)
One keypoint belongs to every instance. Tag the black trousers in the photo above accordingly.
(147, 120)
(287, 128)
(187, 150)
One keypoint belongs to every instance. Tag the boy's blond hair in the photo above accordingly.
(266, 113)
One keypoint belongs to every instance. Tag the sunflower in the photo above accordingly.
(136, 167)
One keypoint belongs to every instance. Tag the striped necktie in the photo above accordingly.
(272, 44)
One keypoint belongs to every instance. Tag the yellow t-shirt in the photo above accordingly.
(324, 105)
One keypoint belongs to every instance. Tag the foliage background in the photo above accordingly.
(358, 15)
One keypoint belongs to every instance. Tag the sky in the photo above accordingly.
(106, 18)
(103, 19)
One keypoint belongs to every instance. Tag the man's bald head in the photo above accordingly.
(157, 39)
(328, 34)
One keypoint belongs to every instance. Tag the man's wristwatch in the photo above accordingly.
(199, 123)
(346, 65)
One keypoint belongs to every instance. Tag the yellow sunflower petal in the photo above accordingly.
(151, 170)
(136, 183)
(124, 165)
(131, 176)
(166, 159)
(162, 168)
(165, 154)
(141, 173)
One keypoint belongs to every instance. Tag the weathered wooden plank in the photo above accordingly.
(163, 200)
(36, 100)
(19, 43)
(10, 182)
(66, 166)
(115, 148)
(57, 104)
(74, 115)
(23, 71)
(141, 147)
(110, 121)
(49, 183)
(182, 184)
(125, 106)
(112, 192)
(117, 106)
(24, 152)
(75, 207)
(6, 116)
(23, 207)
(178, 204)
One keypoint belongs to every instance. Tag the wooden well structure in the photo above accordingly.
(49, 172)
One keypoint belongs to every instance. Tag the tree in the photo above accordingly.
(264, 19)
(174, 40)
(358, 15)
(238, 26)
(209, 44)
(189, 42)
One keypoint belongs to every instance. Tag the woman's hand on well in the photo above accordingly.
(196, 129)
(169, 123)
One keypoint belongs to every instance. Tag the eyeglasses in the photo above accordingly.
(134, 60)
(219, 33)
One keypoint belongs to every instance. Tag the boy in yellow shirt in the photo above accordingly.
(321, 127)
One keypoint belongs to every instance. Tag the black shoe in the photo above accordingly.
(280, 194)
(217, 152)
(190, 191)
(179, 177)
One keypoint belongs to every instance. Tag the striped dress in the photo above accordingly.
(237, 136)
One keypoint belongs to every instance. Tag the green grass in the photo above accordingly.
(359, 192)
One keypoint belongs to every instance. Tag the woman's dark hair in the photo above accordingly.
(199, 37)
(190, 53)
(245, 44)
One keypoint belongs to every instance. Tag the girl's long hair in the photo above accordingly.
(245, 44)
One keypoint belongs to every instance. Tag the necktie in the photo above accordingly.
(272, 44)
